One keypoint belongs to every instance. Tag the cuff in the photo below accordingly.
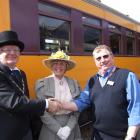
(47, 104)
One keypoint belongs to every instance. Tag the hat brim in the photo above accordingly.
(48, 63)
(17, 43)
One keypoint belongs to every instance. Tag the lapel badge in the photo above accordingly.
(111, 83)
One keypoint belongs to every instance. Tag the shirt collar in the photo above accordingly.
(62, 79)
(107, 72)
(15, 68)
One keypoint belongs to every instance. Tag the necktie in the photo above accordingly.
(17, 77)
(16, 74)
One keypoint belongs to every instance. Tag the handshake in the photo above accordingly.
(54, 105)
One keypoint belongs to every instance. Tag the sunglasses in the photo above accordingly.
(104, 56)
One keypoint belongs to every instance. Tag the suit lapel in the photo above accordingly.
(5, 71)
(17, 76)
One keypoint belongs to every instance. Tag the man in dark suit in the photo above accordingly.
(15, 106)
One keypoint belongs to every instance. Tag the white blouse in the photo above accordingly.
(62, 92)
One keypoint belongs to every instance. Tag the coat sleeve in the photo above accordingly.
(73, 120)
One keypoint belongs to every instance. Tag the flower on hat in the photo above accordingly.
(59, 55)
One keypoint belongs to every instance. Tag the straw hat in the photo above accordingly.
(10, 38)
(61, 56)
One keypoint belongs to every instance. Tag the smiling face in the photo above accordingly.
(9, 55)
(59, 68)
(103, 60)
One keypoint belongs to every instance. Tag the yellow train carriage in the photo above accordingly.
(32, 19)
(84, 69)
(77, 27)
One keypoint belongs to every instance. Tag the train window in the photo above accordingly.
(53, 33)
(46, 7)
(130, 46)
(91, 20)
(114, 42)
(129, 33)
(92, 38)
(114, 28)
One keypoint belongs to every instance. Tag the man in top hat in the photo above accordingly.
(15, 107)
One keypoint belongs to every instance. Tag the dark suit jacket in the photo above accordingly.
(15, 107)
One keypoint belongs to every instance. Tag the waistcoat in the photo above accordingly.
(110, 104)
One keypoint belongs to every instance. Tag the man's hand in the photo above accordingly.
(54, 105)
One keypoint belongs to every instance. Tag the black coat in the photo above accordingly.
(15, 107)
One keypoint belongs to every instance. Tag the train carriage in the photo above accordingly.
(75, 26)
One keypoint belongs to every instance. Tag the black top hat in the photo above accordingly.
(10, 38)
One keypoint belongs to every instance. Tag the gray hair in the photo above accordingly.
(102, 47)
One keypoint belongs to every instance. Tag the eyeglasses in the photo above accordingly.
(9, 51)
(104, 56)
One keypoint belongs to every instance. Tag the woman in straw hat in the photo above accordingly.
(61, 125)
